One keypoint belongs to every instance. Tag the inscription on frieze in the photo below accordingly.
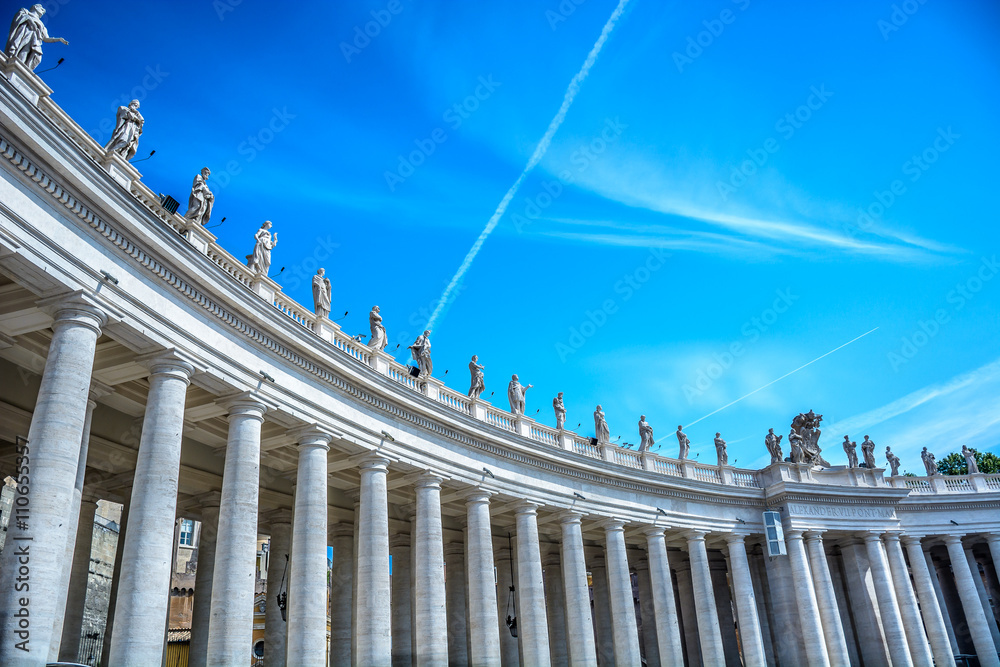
(842, 511)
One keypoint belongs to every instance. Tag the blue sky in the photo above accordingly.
(738, 188)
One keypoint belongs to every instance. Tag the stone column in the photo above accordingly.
(402, 619)
(201, 612)
(688, 616)
(626, 634)
(746, 602)
(935, 571)
(430, 620)
(980, 631)
(454, 590)
(888, 608)
(826, 598)
(993, 540)
(509, 651)
(341, 593)
(761, 592)
(53, 456)
(805, 599)
(374, 614)
(279, 552)
(579, 623)
(668, 633)
(937, 632)
(76, 599)
(920, 651)
(555, 608)
(709, 633)
(604, 635)
(862, 603)
(724, 607)
(144, 587)
(647, 625)
(531, 623)
(484, 637)
(307, 573)
(109, 619)
(984, 599)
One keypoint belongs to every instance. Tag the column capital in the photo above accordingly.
(79, 307)
(478, 496)
(341, 530)
(892, 536)
(282, 515)
(311, 435)
(399, 540)
(654, 531)
(570, 516)
(374, 461)
(428, 480)
(248, 403)
(613, 525)
(172, 362)
(794, 534)
(992, 538)
(526, 507)
(99, 390)
(910, 540)
(736, 537)
(694, 535)
(813, 535)
(869, 535)
(952, 539)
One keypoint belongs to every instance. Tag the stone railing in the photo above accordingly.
(978, 483)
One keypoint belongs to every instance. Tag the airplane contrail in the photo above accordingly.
(536, 157)
(781, 378)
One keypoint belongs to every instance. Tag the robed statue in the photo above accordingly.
(515, 395)
(264, 242)
(27, 34)
(128, 129)
(201, 199)
(321, 293)
(421, 352)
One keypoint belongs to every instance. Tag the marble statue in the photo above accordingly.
(806, 427)
(560, 410)
(478, 379)
(851, 449)
(421, 351)
(795, 445)
(684, 442)
(930, 465)
(321, 293)
(645, 435)
(970, 460)
(260, 260)
(379, 340)
(720, 449)
(125, 139)
(893, 462)
(515, 394)
(773, 444)
(601, 430)
(868, 451)
(27, 34)
(201, 200)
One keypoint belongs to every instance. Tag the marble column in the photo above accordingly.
(40, 528)
(402, 618)
(430, 620)
(455, 595)
(746, 602)
(307, 573)
(76, 599)
(604, 635)
(531, 623)
(977, 578)
(937, 632)
(724, 607)
(688, 615)
(993, 540)
(374, 614)
(709, 633)
(231, 628)
(509, 647)
(805, 599)
(579, 623)
(555, 609)
(341, 594)
(888, 607)
(934, 569)
(981, 637)
(826, 598)
(668, 634)
(650, 648)
(862, 603)
(109, 619)
(920, 650)
(623, 623)
(279, 552)
(762, 593)
(201, 612)
(484, 636)
(144, 589)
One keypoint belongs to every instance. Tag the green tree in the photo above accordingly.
(954, 463)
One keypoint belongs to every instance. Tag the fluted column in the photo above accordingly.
(937, 631)
(430, 621)
(484, 637)
(40, 527)
(201, 612)
(650, 649)
(826, 598)
(374, 614)
(623, 622)
(805, 599)
(668, 632)
(746, 603)
(307, 574)
(341, 593)
(454, 589)
(888, 607)
(981, 637)
(555, 609)
(920, 650)
(279, 552)
(579, 623)
(531, 624)
(509, 647)
(709, 633)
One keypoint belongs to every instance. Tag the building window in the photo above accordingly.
(187, 533)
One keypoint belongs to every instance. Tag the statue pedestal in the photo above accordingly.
(264, 287)
(566, 440)
(687, 467)
(432, 388)
(379, 359)
(196, 234)
(27, 82)
(607, 451)
(327, 330)
(120, 169)
(726, 474)
(938, 483)
(521, 426)
(477, 409)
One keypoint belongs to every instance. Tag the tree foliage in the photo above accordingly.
(954, 463)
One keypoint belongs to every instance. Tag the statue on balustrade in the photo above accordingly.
(321, 293)
(421, 352)
(868, 451)
(560, 410)
(806, 427)
(515, 394)
(970, 460)
(684, 442)
(930, 465)
(720, 449)
(851, 449)
(601, 431)
(201, 200)
(645, 434)
(893, 462)
(478, 378)
(795, 447)
(378, 341)
(125, 139)
(773, 444)
(27, 34)
(264, 243)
